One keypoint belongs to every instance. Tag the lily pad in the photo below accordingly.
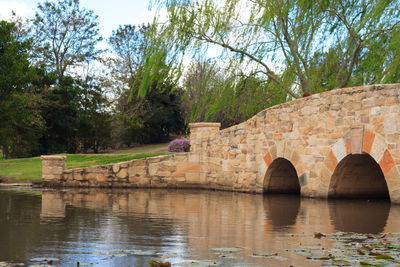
(228, 256)
(226, 250)
(262, 255)
(384, 257)
(373, 263)
(204, 263)
(44, 259)
(138, 252)
(340, 262)
(280, 258)
(86, 263)
(119, 255)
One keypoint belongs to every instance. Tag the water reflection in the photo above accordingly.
(281, 210)
(359, 216)
(90, 225)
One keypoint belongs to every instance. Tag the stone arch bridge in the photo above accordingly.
(340, 143)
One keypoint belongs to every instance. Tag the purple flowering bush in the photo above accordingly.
(179, 145)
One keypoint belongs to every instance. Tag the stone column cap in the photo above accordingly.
(53, 157)
(204, 124)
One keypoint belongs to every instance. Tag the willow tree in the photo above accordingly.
(294, 45)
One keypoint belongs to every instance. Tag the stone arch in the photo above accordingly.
(281, 177)
(366, 148)
(358, 176)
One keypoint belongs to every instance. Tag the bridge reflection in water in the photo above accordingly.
(217, 219)
(76, 224)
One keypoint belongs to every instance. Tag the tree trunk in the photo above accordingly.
(5, 152)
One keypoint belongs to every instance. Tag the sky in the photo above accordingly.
(111, 13)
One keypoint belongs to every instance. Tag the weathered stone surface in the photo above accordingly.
(387, 162)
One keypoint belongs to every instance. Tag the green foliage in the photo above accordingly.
(14, 64)
(147, 108)
(76, 117)
(20, 122)
(268, 52)
(60, 111)
(94, 127)
(23, 125)
(291, 44)
(211, 95)
(152, 118)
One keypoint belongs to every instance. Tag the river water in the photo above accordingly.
(187, 228)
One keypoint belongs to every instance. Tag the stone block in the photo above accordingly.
(395, 196)
(331, 161)
(192, 177)
(123, 173)
(390, 123)
(90, 176)
(138, 162)
(78, 175)
(101, 178)
(115, 168)
(153, 169)
(369, 137)
(387, 162)
(378, 148)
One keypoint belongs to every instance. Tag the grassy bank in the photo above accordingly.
(30, 169)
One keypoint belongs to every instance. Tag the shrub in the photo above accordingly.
(179, 145)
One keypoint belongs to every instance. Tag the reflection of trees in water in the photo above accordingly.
(25, 234)
(281, 210)
(359, 216)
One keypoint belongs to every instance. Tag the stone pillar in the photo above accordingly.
(200, 133)
(53, 167)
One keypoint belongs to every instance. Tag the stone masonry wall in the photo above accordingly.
(313, 133)
(177, 170)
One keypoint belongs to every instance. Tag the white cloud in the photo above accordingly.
(21, 9)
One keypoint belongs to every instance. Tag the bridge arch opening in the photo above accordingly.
(281, 178)
(358, 176)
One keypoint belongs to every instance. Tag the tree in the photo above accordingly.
(279, 41)
(159, 115)
(212, 95)
(15, 69)
(60, 110)
(138, 117)
(129, 45)
(76, 117)
(65, 35)
(20, 121)
(94, 127)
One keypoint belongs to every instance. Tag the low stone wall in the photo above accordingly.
(181, 170)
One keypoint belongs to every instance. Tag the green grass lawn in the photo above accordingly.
(145, 149)
(30, 169)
